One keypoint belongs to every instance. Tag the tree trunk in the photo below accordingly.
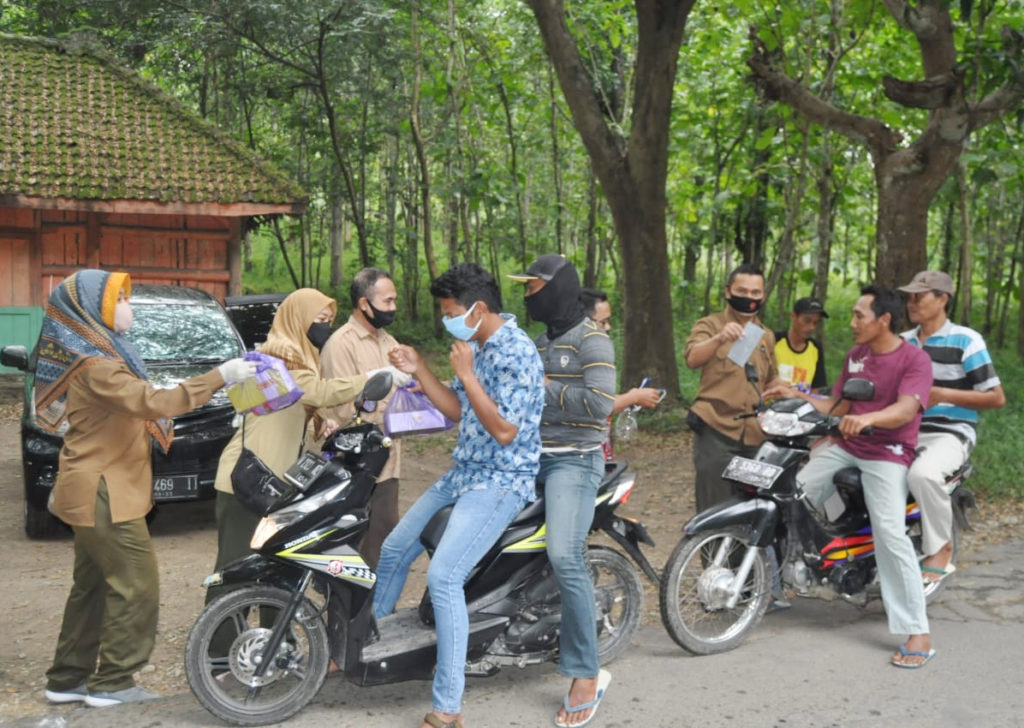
(963, 288)
(424, 167)
(907, 177)
(590, 270)
(390, 200)
(556, 164)
(336, 242)
(632, 172)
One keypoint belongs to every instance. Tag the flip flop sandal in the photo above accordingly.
(904, 652)
(604, 678)
(943, 573)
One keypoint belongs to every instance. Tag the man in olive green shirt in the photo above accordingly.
(360, 345)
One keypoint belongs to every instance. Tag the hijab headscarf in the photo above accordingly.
(78, 329)
(287, 339)
(558, 304)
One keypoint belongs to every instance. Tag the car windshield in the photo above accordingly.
(173, 332)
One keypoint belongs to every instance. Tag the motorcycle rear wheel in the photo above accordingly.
(225, 684)
(692, 602)
(619, 598)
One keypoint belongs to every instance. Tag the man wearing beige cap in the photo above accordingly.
(965, 381)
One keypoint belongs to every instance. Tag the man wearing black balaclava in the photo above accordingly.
(579, 378)
(724, 390)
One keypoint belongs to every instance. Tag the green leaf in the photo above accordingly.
(765, 140)
(982, 176)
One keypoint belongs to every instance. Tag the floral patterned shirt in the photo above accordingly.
(510, 371)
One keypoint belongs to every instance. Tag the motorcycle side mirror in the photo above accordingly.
(377, 388)
(859, 389)
(14, 356)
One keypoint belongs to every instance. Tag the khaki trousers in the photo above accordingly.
(939, 455)
(111, 614)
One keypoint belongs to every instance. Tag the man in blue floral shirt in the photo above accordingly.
(497, 399)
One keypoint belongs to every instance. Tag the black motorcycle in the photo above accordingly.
(717, 583)
(260, 653)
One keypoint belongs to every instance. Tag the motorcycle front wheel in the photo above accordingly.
(226, 646)
(695, 587)
(619, 599)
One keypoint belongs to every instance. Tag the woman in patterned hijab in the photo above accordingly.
(80, 326)
(91, 387)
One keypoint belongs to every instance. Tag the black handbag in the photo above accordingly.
(256, 486)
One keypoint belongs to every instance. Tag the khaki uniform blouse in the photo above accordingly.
(107, 409)
(277, 438)
(724, 390)
(354, 350)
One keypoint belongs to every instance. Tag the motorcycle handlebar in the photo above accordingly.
(833, 426)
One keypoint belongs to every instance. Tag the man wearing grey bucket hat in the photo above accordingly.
(965, 381)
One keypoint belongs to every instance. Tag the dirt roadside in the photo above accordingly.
(38, 573)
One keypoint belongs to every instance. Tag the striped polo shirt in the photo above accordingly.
(960, 360)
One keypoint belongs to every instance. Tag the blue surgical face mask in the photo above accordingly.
(457, 326)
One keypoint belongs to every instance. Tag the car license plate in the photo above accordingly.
(175, 487)
(752, 472)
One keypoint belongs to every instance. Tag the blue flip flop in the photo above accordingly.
(904, 652)
(604, 678)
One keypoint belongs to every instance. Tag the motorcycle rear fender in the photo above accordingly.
(758, 516)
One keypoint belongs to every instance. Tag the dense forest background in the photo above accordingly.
(657, 144)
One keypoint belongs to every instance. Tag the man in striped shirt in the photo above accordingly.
(965, 381)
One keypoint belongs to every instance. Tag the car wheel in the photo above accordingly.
(40, 523)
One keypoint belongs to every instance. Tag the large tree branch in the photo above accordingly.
(910, 17)
(879, 138)
(997, 104)
(932, 93)
(1010, 95)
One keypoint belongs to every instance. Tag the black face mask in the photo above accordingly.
(381, 319)
(557, 304)
(318, 334)
(743, 304)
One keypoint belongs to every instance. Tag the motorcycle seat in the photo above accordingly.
(847, 479)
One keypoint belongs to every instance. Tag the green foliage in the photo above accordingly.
(998, 467)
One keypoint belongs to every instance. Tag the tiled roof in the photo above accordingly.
(75, 124)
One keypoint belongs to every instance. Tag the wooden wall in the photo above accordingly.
(185, 250)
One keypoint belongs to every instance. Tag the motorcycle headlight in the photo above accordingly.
(783, 424)
(288, 515)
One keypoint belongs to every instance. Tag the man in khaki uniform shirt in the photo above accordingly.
(360, 345)
(724, 391)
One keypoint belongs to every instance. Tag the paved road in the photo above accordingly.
(818, 664)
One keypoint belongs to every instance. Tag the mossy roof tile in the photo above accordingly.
(75, 124)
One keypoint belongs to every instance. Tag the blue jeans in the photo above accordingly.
(571, 483)
(478, 519)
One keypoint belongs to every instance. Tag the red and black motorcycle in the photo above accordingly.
(718, 582)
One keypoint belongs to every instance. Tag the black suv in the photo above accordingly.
(180, 332)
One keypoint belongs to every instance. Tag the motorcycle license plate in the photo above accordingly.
(752, 472)
(175, 487)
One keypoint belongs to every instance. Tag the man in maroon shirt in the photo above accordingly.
(902, 375)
